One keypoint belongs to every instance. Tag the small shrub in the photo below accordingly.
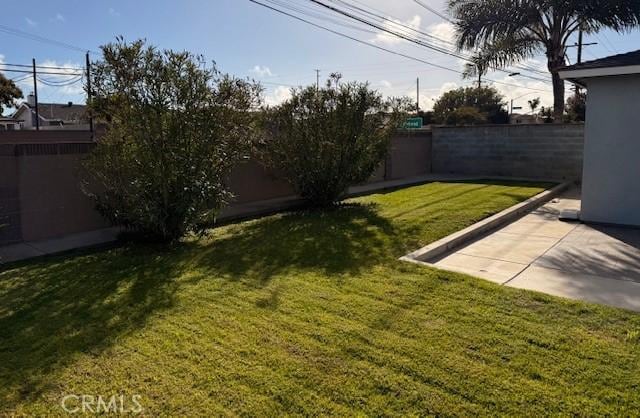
(325, 140)
(174, 131)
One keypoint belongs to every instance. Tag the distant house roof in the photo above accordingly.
(622, 64)
(57, 111)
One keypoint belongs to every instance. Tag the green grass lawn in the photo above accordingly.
(311, 313)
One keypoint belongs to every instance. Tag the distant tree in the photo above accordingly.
(486, 100)
(466, 116)
(577, 107)
(506, 32)
(534, 104)
(325, 140)
(427, 117)
(547, 114)
(175, 130)
(9, 93)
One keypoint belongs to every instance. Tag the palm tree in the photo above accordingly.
(507, 32)
(533, 104)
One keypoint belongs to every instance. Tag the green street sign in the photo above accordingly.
(413, 123)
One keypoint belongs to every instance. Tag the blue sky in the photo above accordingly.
(248, 40)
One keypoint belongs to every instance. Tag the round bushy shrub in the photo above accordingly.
(325, 140)
(174, 130)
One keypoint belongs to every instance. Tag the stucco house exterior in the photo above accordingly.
(611, 171)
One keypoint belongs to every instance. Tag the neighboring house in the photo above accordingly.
(610, 186)
(9, 124)
(52, 115)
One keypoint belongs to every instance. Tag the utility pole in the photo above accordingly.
(479, 78)
(317, 80)
(417, 95)
(88, 64)
(35, 94)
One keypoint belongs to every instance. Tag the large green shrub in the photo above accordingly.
(325, 140)
(175, 128)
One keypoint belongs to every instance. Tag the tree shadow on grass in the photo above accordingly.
(57, 308)
(342, 240)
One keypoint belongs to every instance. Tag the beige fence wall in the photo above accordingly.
(41, 198)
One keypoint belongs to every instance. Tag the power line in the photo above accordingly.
(448, 51)
(395, 21)
(42, 66)
(434, 11)
(39, 72)
(61, 83)
(318, 15)
(391, 20)
(412, 39)
(38, 38)
(380, 47)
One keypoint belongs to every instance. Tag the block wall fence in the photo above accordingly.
(41, 198)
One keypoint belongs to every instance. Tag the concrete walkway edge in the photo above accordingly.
(425, 255)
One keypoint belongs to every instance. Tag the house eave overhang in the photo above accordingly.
(579, 76)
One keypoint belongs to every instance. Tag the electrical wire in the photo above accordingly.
(63, 83)
(434, 11)
(38, 38)
(396, 22)
(383, 48)
(38, 72)
(413, 39)
(46, 67)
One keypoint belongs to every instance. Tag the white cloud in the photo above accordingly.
(113, 12)
(386, 84)
(389, 39)
(277, 96)
(261, 71)
(444, 30)
(59, 18)
(31, 22)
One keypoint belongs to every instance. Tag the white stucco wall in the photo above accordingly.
(611, 171)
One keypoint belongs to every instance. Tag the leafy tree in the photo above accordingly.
(325, 140)
(547, 114)
(486, 100)
(9, 93)
(533, 104)
(510, 31)
(577, 107)
(175, 130)
(466, 116)
(427, 117)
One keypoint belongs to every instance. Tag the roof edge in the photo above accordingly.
(599, 72)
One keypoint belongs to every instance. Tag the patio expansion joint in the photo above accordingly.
(461, 251)
(540, 256)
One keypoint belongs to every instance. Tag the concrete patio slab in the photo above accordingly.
(497, 271)
(581, 286)
(538, 252)
(510, 247)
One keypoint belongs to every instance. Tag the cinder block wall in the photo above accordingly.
(549, 151)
